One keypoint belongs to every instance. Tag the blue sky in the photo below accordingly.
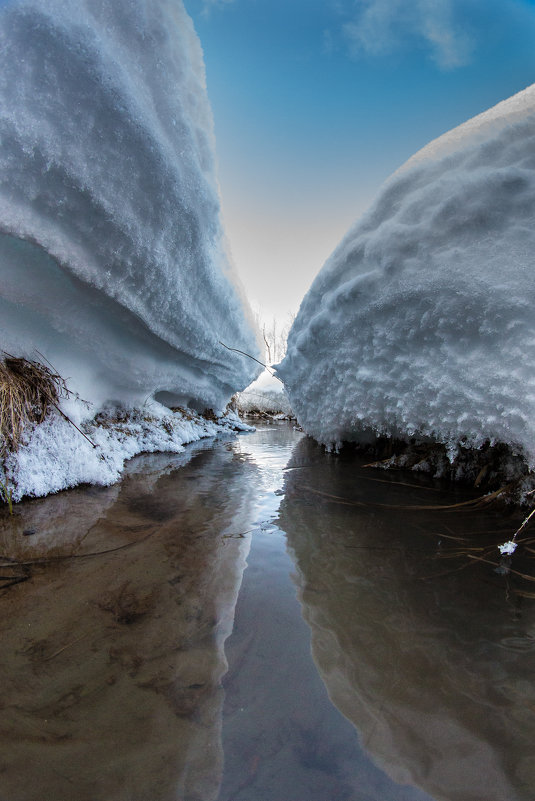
(317, 102)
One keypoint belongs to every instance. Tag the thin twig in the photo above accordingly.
(447, 572)
(524, 524)
(68, 419)
(243, 353)
(475, 503)
(17, 580)
(64, 648)
(399, 483)
(496, 564)
(43, 560)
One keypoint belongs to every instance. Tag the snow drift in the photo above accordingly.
(265, 396)
(421, 322)
(113, 262)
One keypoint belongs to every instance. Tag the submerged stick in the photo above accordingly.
(43, 560)
(475, 503)
(398, 483)
(495, 564)
(64, 648)
(16, 580)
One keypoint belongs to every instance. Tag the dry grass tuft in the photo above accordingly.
(210, 415)
(27, 391)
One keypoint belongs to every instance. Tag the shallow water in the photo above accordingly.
(143, 662)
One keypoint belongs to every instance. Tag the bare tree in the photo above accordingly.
(275, 336)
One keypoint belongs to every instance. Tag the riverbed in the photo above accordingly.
(258, 620)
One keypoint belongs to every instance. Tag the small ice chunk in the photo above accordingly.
(507, 548)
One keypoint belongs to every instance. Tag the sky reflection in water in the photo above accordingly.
(114, 666)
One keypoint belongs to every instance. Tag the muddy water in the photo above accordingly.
(141, 661)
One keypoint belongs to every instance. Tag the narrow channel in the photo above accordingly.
(283, 739)
(258, 620)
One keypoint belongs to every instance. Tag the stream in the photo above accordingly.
(255, 619)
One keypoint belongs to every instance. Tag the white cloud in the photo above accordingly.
(210, 5)
(383, 26)
(328, 42)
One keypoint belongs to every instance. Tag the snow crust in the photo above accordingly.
(421, 322)
(56, 455)
(113, 262)
(266, 394)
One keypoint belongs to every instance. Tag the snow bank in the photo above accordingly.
(113, 262)
(56, 455)
(421, 322)
(265, 395)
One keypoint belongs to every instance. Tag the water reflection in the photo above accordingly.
(436, 675)
(113, 668)
(111, 664)
(283, 739)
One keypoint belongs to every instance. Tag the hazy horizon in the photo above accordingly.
(316, 103)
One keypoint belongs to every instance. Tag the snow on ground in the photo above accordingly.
(113, 262)
(56, 455)
(265, 395)
(421, 323)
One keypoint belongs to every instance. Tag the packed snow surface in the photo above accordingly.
(56, 456)
(422, 321)
(265, 395)
(113, 263)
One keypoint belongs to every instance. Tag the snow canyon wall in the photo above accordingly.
(421, 322)
(113, 262)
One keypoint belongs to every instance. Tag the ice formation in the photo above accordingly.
(113, 263)
(421, 322)
(266, 395)
(56, 456)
